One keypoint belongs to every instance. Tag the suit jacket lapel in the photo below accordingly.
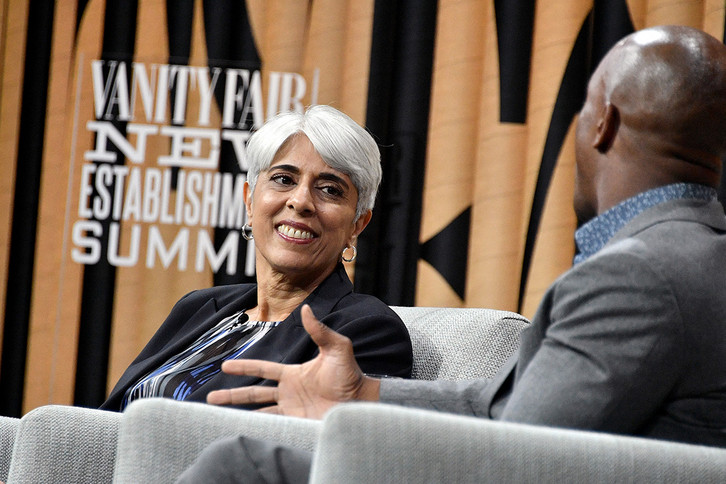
(324, 298)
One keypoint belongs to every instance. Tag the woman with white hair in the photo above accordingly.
(310, 190)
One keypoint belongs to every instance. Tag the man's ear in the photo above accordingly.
(607, 128)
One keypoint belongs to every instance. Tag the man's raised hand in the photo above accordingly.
(306, 390)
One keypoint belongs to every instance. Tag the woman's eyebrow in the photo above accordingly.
(291, 168)
(333, 177)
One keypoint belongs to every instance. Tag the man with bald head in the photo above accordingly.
(632, 338)
(655, 114)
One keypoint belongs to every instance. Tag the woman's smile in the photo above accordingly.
(296, 233)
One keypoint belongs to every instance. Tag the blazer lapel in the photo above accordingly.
(324, 298)
(277, 344)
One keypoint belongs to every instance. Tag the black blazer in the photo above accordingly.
(380, 340)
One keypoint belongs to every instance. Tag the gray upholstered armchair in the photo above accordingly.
(451, 344)
(157, 438)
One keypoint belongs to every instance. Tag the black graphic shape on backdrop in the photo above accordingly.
(179, 22)
(515, 22)
(448, 250)
(608, 22)
(399, 92)
(21, 258)
(80, 10)
(229, 44)
(99, 279)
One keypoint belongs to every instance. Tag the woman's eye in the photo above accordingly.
(332, 190)
(282, 179)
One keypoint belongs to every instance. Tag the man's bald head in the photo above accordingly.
(655, 114)
(670, 82)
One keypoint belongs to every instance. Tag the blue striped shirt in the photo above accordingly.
(184, 373)
(593, 235)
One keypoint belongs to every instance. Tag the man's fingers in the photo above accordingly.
(260, 368)
(274, 409)
(322, 335)
(243, 395)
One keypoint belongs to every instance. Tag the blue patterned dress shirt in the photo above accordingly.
(593, 235)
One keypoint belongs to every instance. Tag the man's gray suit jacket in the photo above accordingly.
(631, 341)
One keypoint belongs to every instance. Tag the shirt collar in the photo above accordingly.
(593, 235)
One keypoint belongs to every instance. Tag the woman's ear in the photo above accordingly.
(247, 193)
(607, 128)
(361, 224)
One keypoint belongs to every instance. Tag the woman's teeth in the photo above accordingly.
(294, 233)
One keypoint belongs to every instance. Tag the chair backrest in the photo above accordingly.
(160, 437)
(363, 442)
(8, 428)
(460, 343)
(57, 443)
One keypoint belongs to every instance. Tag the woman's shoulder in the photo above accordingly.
(365, 305)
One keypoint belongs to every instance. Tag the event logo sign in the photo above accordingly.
(191, 112)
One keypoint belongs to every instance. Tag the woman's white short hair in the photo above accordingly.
(340, 142)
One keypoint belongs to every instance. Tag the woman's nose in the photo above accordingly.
(301, 199)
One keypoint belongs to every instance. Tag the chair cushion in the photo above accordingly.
(460, 343)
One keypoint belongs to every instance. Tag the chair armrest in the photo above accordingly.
(160, 437)
(366, 442)
(57, 443)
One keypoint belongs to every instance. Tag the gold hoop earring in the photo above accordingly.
(352, 258)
